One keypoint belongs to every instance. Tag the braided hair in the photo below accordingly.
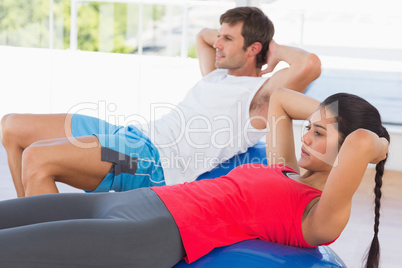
(373, 254)
(352, 113)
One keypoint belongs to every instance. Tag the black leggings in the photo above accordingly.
(128, 229)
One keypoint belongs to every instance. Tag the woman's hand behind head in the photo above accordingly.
(377, 147)
(383, 145)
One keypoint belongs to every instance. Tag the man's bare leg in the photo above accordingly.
(48, 161)
(21, 130)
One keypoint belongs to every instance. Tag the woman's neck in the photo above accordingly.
(315, 179)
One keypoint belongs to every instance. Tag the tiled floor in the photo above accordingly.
(355, 239)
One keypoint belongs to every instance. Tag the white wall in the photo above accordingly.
(59, 81)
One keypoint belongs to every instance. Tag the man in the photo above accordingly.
(222, 115)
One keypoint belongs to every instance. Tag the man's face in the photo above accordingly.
(229, 47)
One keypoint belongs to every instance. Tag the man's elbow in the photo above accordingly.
(206, 34)
(312, 67)
(201, 33)
(307, 71)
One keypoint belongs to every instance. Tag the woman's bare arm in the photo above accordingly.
(284, 107)
(331, 214)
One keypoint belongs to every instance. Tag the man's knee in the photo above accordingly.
(34, 165)
(7, 128)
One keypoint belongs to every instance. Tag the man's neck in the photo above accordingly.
(247, 69)
(241, 72)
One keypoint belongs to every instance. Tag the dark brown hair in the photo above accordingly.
(256, 28)
(354, 112)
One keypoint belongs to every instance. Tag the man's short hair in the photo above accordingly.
(257, 27)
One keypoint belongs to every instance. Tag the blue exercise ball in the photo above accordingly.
(258, 253)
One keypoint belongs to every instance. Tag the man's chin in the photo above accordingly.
(220, 65)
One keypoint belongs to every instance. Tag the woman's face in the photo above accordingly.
(320, 142)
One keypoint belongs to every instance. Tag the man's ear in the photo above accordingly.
(254, 48)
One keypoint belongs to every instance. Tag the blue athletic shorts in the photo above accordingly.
(135, 159)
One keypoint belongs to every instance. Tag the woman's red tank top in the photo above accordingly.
(252, 201)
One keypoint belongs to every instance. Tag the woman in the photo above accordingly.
(157, 227)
